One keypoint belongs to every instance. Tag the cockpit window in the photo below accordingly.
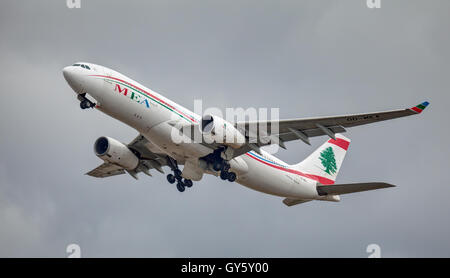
(81, 65)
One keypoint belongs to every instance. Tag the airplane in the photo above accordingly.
(241, 159)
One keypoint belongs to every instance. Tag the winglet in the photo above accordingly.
(419, 108)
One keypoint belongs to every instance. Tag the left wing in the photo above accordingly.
(303, 129)
(148, 160)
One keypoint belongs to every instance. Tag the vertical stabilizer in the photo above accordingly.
(325, 162)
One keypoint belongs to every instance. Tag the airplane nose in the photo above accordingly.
(67, 73)
(72, 78)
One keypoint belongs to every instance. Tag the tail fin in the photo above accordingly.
(325, 162)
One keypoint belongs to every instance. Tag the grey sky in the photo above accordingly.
(309, 58)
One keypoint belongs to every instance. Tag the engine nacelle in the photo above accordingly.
(216, 129)
(111, 150)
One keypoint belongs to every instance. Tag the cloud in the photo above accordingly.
(307, 58)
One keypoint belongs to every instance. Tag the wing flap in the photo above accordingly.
(290, 136)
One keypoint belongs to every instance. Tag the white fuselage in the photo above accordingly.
(153, 116)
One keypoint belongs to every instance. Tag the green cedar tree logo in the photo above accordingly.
(328, 161)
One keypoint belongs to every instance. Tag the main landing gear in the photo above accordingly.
(176, 176)
(225, 173)
(219, 164)
(84, 102)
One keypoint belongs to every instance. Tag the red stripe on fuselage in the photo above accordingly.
(320, 179)
(340, 143)
(147, 93)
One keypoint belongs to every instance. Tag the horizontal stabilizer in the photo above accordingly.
(339, 189)
(292, 202)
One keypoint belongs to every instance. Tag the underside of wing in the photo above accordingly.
(106, 170)
(142, 149)
(302, 129)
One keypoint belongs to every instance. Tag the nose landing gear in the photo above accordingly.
(85, 102)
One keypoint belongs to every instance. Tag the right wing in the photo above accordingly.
(148, 160)
(106, 170)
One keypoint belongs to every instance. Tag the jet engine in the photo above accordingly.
(113, 151)
(215, 129)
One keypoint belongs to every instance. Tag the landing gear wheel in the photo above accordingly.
(231, 177)
(188, 183)
(171, 178)
(224, 175)
(84, 104)
(180, 186)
